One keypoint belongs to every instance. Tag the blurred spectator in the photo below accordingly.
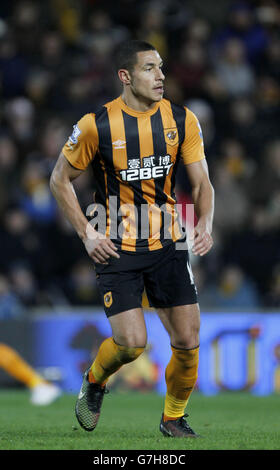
(100, 26)
(20, 117)
(233, 70)
(10, 306)
(189, 67)
(81, 288)
(53, 52)
(231, 203)
(269, 62)
(34, 196)
(8, 170)
(232, 291)
(37, 86)
(68, 19)
(24, 284)
(237, 162)
(13, 67)
(241, 23)
(199, 30)
(255, 248)
(66, 249)
(268, 96)
(235, 290)
(267, 180)
(23, 242)
(249, 125)
(19, 240)
(153, 27)
(50, 141)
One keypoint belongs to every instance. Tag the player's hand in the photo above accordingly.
(99, 247)
(202, 239)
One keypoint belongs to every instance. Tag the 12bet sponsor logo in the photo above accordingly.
(152, 167)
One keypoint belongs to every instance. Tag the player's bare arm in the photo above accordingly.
(203, 199)
(98, 247)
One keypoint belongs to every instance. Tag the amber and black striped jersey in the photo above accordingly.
(134, 156)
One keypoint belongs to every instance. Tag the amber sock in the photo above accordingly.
(110, 358)
(17, 367)
(180, 376)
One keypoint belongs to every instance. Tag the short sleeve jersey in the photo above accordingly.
(134, 156)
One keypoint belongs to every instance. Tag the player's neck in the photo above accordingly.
(140, 104)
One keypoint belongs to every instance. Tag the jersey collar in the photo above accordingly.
(135, 113)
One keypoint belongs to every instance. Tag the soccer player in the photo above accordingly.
(134, 144)
(41, 391)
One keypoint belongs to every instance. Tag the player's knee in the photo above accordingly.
(186, 339)
(186, 342)
(137, 339)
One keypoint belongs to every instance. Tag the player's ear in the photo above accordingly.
(124, 76)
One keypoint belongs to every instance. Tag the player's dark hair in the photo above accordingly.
(125, 57)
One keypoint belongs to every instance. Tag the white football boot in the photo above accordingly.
(44, 394)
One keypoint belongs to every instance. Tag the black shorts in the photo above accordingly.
(165, 275)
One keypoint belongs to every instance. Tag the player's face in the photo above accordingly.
(147, 77)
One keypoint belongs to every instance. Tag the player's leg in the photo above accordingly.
(122, 296)
(172, 292)
(42, 392)
(128, 341)
(182, 324)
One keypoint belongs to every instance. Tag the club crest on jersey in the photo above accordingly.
(171, 136)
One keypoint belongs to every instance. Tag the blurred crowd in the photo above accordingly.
(222, 60)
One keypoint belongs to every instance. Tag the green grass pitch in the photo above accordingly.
(228, 421)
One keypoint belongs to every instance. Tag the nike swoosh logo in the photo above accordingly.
(81, 395)
(167, 431)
